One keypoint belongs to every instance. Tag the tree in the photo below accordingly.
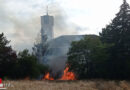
(28, 65)
(87, 57)
(15, 66)
(117, 33)
(118, 30)
(8, 58)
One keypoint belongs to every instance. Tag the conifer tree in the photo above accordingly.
(117, 33)
(119, 28)
(8, 58)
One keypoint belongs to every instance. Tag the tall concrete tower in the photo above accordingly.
(47, 23)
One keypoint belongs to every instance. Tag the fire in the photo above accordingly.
(47, 77)
(68, 75)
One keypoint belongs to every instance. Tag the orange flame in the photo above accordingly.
(47, 77)
(68, 75)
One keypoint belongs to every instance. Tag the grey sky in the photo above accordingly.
(20, 19)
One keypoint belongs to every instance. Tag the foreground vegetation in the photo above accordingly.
(70, 85)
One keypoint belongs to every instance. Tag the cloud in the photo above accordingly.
(20, 21)
(19, 27)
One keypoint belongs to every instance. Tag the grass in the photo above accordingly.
(69, 85)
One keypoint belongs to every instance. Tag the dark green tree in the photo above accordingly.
(119, 29)
(8, 58)
(28, 65)
(117, 33)
(87, 57)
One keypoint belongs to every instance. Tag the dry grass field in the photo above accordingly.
(69, 85)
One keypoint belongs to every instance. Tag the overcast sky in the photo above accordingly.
(20, 19)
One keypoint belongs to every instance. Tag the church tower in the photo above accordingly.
(47, 23)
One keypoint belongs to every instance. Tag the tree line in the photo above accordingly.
(105, 56)
(18, 66)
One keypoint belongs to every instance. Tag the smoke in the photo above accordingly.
(20, 21)
(57, 65)
(19, 26)
(56, 55)
(62, 25)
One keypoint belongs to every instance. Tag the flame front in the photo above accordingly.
(68, 75)
(47, 77)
